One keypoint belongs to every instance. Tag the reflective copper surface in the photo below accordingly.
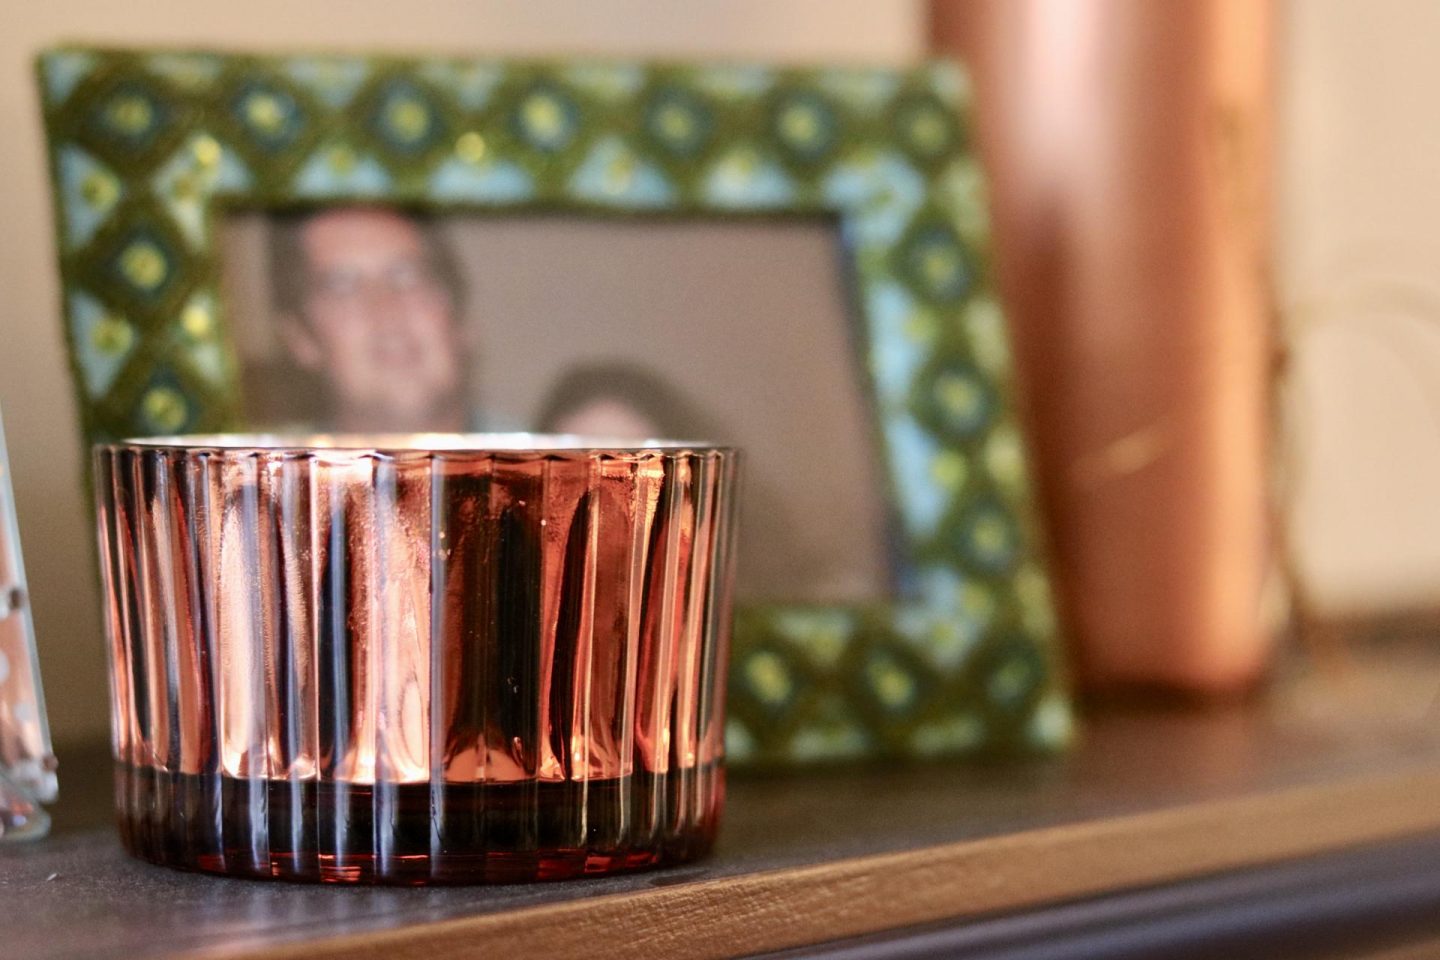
(416, 659)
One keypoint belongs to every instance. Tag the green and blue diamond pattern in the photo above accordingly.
(145, 146)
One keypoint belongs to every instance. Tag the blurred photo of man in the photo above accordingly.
(368, 306)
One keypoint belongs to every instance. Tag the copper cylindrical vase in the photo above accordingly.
(1129, 146)
(420, 659)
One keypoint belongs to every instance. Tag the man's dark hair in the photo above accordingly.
(288, 262)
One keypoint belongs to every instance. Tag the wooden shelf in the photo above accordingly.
(1326, 760)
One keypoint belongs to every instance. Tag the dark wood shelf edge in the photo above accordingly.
(792, 907)
(1366, 901)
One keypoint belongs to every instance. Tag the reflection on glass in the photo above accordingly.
(417, 666)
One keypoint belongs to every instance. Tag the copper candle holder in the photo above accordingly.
(418, 659)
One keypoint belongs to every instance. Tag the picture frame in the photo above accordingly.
(146, 147)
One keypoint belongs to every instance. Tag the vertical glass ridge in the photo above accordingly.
(368, 665)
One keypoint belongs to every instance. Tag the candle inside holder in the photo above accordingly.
(417, 659)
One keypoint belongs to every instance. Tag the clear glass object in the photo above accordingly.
(419, 659)
(27, 764)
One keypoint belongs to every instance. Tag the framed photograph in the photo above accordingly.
(793, 261)
(350, 318)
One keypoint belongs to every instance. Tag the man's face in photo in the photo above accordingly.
(377, 322)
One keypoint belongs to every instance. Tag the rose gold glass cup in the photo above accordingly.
(416, 659)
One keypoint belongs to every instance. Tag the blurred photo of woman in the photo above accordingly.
(625, 402)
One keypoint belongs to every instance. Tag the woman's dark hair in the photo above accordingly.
(675, 416)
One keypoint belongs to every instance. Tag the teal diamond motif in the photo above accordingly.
(744, 177)
(338, 170)
(62, 71)
(471, 84)
(834, 734)
(956, 401)
(269, 114)
(1012, 673)
(131, 117)
(806, 126)
(678, 122)
(989, 537)
(163, 406)
(495, 182)
(405, 119)
(89, 193)
(768, 679)
(613, 173)
(102, 340)
(143, 264)
(546, 119)
(927, 128)
(892, 684)
(334, 80)
(935, 264)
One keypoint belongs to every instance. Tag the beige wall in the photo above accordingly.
(34, 388)
(1359, 232)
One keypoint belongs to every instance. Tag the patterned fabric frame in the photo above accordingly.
(146, 147)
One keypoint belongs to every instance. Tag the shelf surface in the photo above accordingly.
(1327, 759)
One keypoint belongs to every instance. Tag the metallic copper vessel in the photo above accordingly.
(416, 659)
(1130, 146)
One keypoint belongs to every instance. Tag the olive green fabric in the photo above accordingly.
(145, 146)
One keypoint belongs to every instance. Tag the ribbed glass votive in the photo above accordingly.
(420, 659)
